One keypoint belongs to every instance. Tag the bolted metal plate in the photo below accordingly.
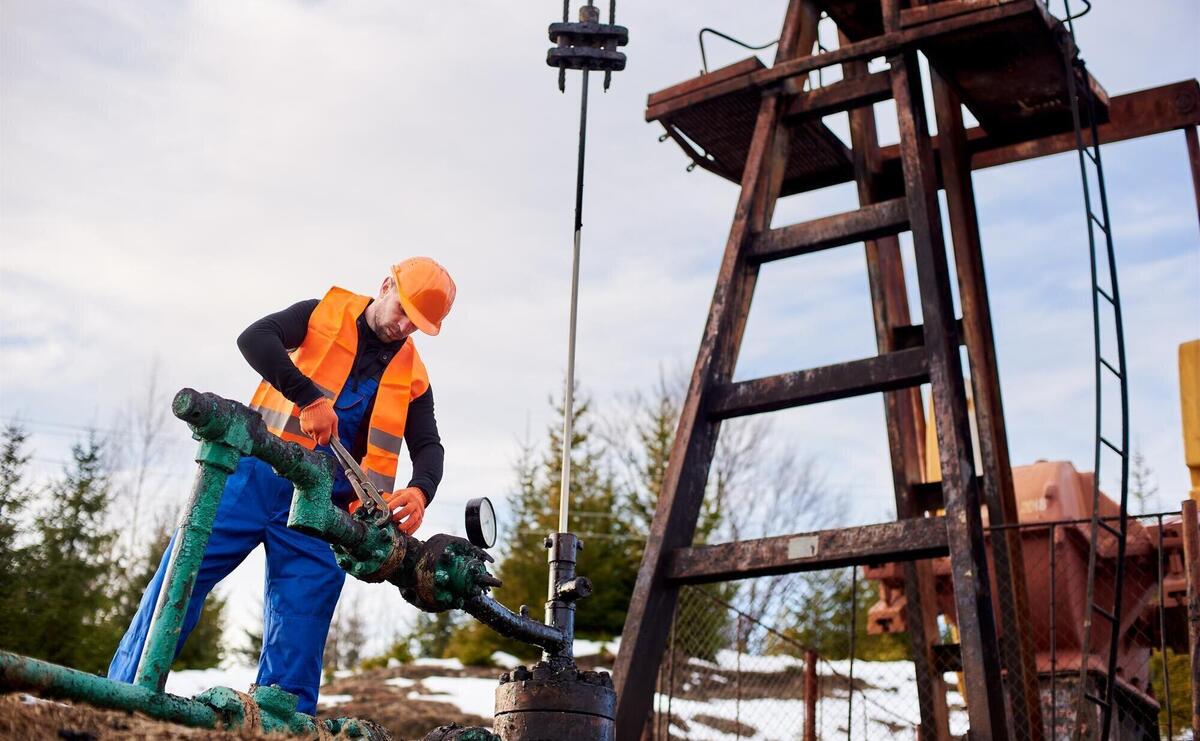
(803, 546)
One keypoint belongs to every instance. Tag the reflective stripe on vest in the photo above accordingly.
(327, 356)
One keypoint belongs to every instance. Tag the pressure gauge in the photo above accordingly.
(481, 522)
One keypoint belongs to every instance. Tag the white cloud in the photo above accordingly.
(172, 172)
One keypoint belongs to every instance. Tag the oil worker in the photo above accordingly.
(342, 366)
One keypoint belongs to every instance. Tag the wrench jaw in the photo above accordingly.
(368, 496)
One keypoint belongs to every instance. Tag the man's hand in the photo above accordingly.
(319, 421)
(408, 508)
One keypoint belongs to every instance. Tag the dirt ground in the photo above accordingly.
(22, 717)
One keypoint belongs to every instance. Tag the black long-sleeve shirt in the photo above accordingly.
(265, 345)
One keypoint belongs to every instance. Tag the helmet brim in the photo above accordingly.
(412, 312)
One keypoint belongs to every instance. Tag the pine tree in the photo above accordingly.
(14, 555)
(600, 518)
(431, 633)
(69, 612)
(821, 619)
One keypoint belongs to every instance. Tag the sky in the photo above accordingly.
(170, 172)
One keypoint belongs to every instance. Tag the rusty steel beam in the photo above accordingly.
(1016, 640)
(903, 540)
(905, 421)
(1130, 116)
(1193, 147)
(652, 606)
(868, 222)
(810, 695)
(894, 370)
(972, 592)
(705, 88)
(851, 92)
(1191, 559)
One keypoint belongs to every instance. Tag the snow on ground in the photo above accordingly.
(592, 648)
(191, 682)
(884, 703)
(443, 663)
(472, 695)
(506, 660)
(328, 701)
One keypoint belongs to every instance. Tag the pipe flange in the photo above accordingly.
(394, 560)
(455, 732)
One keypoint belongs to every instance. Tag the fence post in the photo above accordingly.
(810, 695)
(1191, 560)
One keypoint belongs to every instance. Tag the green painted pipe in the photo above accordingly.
(52, 680)
(226, 437)
(191, 540)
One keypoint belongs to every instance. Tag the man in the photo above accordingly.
(352, 372)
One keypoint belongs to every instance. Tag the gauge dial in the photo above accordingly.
(481, 522)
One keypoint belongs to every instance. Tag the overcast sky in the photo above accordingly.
(171, 171)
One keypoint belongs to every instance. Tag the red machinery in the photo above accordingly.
(1054, 508)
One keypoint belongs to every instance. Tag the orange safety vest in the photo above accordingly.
(326, 356)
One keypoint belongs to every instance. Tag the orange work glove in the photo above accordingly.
(319, 421)
(408, 508)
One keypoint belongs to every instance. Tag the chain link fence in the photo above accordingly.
(826, 654)
(1152, 682)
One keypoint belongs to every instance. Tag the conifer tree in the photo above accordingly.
(70, 578)
(599, 516)
(431, 633)
(14, 555)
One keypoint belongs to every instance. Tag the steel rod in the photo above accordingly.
(1193, 147)
(564, 493)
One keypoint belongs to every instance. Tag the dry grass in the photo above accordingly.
(374, 700)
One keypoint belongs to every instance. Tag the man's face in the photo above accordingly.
(388, 320)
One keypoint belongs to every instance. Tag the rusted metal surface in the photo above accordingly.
(1193, 147)
(1055, 504)
(868, 222)
(826, 383)
(455, 732)
(1009, 72)
(588, 44)
(723, 126)
(855, 19)
(960, 487)
(551, 702)
(1191, 557)
(905, 420)
(916, 538)
(1016, 640)
(652, 606)
(851, 92)
(1132, 115)
(810, 695)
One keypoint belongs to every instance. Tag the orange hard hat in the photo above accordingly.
(426, 292)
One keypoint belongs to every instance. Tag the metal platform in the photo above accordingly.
(1004, 59)
(716, 130)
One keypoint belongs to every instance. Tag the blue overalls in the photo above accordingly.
(302, 581)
